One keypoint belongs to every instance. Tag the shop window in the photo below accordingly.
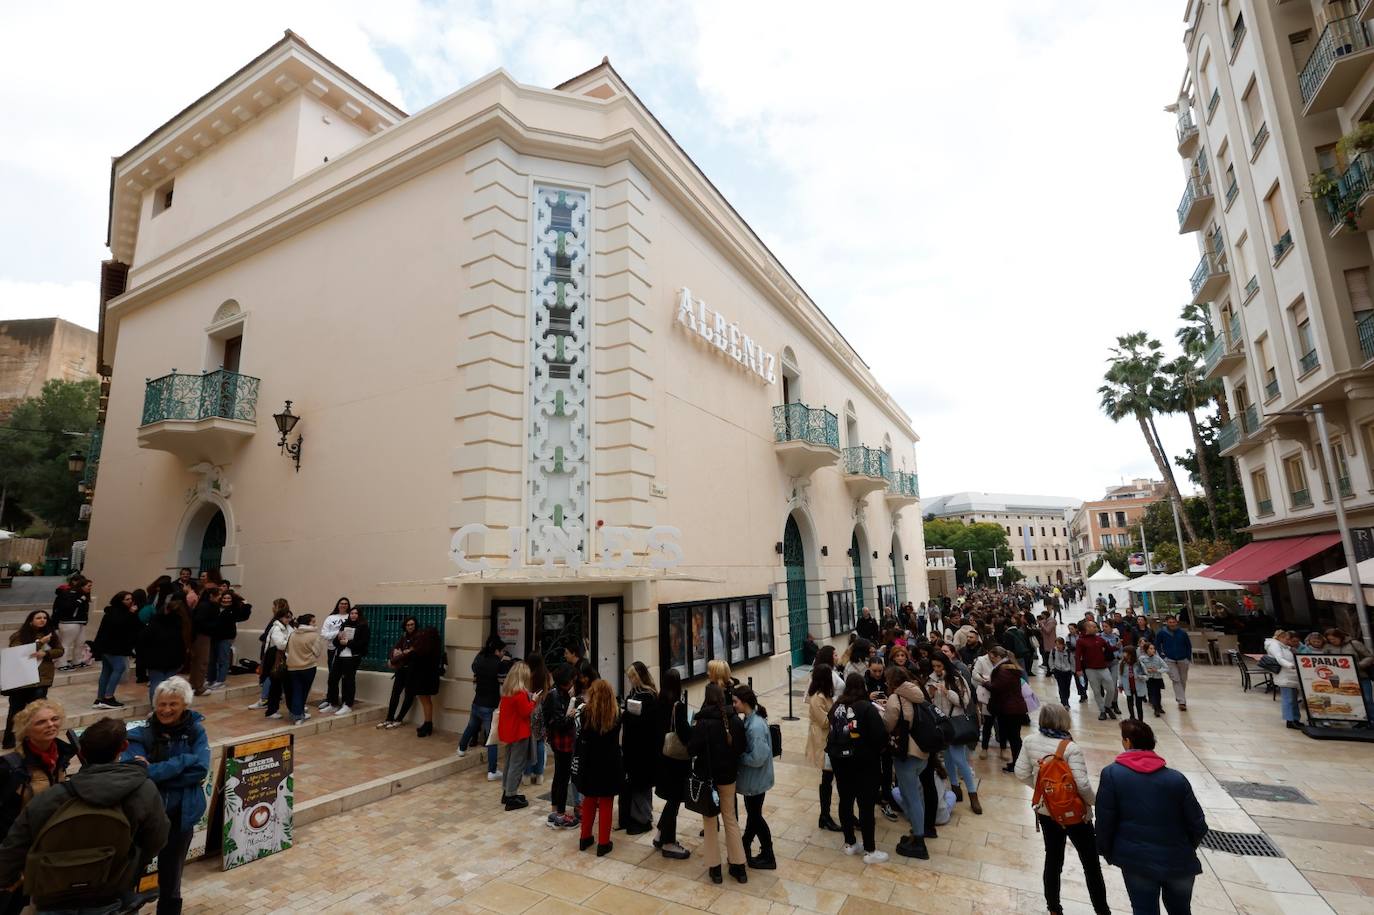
(843, 614)
(733, 630)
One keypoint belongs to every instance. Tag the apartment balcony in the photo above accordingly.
(1271, 389)
(1195, 205)
(1225, 352)
(1240, 434)
(902, 490)
(1212, 104)
(1265, 507)
(805, 439)
(203, 417)
(866, 470)
(1344, 487)
(1232, 190)
(1364, 329)
(1340, 57)
(1210, 277)
(1301, 498)
(1347, 204)
(1285, 243)
(1187, 134)
(1308, 362)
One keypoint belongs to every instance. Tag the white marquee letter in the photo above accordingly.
(459, 557)
(735, 352)
(559, 544)
(684, 308)
(616, 550)
(664, 550)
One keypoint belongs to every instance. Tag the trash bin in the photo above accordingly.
(50, 565)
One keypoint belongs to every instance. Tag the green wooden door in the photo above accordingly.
(794, 561)
(858, 574)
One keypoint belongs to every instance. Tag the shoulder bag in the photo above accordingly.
(700, 796)
(673, 747)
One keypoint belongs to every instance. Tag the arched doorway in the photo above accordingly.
(794, 562)
(857, 555)
(898, 576)
(212, 543)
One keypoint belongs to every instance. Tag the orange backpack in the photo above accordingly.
(1056, 788)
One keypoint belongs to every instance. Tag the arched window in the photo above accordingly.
(851, 426)
(791, 377)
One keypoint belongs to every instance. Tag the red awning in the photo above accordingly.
(1258, 561)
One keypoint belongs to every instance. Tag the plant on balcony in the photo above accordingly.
(1320, 185)
(1359, 140)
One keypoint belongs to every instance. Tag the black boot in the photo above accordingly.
(739, 872)
(586, 843)
(913, 847)
(603, 850)
(715, 874)
(425, 729)
(826, 820)
(168, 906)
(827, 823)
(764, 861)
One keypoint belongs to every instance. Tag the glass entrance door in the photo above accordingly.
(858, 572)
(794, 561)
(561, 622)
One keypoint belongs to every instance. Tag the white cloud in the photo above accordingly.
(78, 301)
(981, 197)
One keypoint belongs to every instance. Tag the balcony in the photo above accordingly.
(1364, 329)
(1226, 351)
(1345, 205)
(866, 470)
(1271, 389)
(1231, 190)
(1195, 205)
(1212, 104)
(1258, 141)
(1343, 485)
(1308, 362)
(1284, 244)
(1210, 277)
(1251, 288)
(1187, 134)
(805, 439)
(902, 490)
(1335, 65)
(1239, 433)
(199, 417)
(1301, 498)
(1237, 36)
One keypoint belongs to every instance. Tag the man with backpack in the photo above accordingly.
(81, 845)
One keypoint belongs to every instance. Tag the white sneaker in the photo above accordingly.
(461, 752)
(261, 703)
(304, 715)
(342, 710)
(494, 776)
(323, 707)
(851, 850)
(878, 856)
(277, 715)
(218, 684)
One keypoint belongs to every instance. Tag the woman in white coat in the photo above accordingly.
(982, 678)
(1280, 648)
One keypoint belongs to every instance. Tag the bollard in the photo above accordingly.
(751, 682)
(789, 716)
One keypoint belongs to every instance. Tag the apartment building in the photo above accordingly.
(1037, 528)
(1111, 521)
(1275, 142)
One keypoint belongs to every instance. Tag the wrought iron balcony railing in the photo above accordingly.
(1231, 190)
(1271, 389)
(796, 422)
(1309, 361)
(1215, 350)
(1260, 136)
(1266, 506)
(1233, 331)
(1251, 288)
(1339, 38)
(1343, 484)
(1213, 102)
(1364, 327)
(222, 394)
(868, 462)
(1285, 242)
(1301, 498)
(904, 484)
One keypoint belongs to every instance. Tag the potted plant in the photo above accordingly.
(1320, 185)
(1359, 140)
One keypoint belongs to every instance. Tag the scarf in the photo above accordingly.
(1056, 734)
(47, 757)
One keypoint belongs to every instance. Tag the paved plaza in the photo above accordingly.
(448, 845)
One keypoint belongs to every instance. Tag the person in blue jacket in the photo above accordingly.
(1154, 843)
(1173, 643)
(755, 778)
(174, 745)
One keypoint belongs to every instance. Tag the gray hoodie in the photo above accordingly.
(102, 784)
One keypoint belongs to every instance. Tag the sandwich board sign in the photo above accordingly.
(1331, 687)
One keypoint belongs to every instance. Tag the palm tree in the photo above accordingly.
(1194, 335)
(1183, 391)
(1133, 389)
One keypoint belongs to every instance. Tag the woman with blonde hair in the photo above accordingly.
(718, 672)
(513, 730)
(38, 763)
(597, 769)
(642, 744)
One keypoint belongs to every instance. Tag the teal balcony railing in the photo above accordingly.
(904, 484)
(868, 462)
(1343, 484)
(1233, 331)
(796, 422)
(1237, 34)
(1266, 506)
(222, 394)
(1309, 361)
(1228, 435)
(1251, 288)
(1186, 125)
(93, 456)
(1339, 38)
(1260, 136)
(1210, 265)
(1364, 327)
(1231, 190)
(1249, 420)
(1215, 350)
(1213, 102)
(1301, 498)
(1285, 242)
(1271, 389)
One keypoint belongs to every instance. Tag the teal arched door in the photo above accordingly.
(858, 573)
(212, 543)
(794, 561)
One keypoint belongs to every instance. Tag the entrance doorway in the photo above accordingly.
(794, 561)
(548, 625)
(212, 543)
(858, 571)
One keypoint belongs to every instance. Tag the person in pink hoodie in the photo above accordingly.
(1155, 843)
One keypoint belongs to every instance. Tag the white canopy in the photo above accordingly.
(1183, 582)
(1108, 581)
(1335, 586)
(1106, 573)
(5, 535)
(1197, 570)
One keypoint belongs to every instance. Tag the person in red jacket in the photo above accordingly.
(1093, 659)
(513, 730)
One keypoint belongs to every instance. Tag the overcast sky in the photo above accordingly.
(980, 196)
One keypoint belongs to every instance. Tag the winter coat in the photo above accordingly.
(331, 626)
(1155, 667)
(872, 730)
(1005, 690)
(304, 649)
(26, 777)
(818, 731)
(709, 745)
(1038, 746)
(559, 723)
(228, 618)
(178, 760)
(104, 785)
(1126, 671)
(671, 774)
(867, 628)
(52, 650)
(1049, 631)
(1174, 645)
(1158, 839)
(902, 704)
(1090, 653)
(160, 645)
(756, 762)
(70, 605)
(642, 739)
(513, 725)
(982, 676)
(1060, 660)
(488, 670)
(1280, 652)
(1015, 641)
(118, 633)
(359, 644)
(599, 769)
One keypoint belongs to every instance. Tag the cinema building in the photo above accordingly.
(537, 377)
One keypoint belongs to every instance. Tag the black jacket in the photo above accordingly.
(671, 773)
(599, 769)
(160, 645)
(226, 620)
(205, 618)
(708, 744)
(118, 632)
(488, 670)
(69, 605)
(643, 739)
(558, 722)
(362, 638)
(872, 739)
(867, 628)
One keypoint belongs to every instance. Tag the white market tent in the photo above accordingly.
(1198, 570)
(1108, 581)
(1335, 586)
(1181, 582)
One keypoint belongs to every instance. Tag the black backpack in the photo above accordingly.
(844, 732)
(926, 727)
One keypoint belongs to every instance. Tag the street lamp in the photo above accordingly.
(286, 421)
(1347, 544)
(76, 463)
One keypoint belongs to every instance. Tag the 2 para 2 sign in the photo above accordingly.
(618, 546)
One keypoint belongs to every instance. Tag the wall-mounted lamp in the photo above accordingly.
(906, 556)
(849, 552)
(825, 551)
(76, 463)
(875, 554)
(778, 546)
(286, 421)
(889, 557)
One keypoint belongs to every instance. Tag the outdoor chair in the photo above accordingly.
(1248, 674)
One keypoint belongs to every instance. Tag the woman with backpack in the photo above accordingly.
(1006, 701)
(755, 778)
(856, 740)
(1056, 769)
(513, 730)
(672, 763)
(900, 714)
(599, 772)
(820, 696)
(1132, 680)
(38, 630)
(40, 762)
(715, 747)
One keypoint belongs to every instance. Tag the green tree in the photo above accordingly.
(34, 447)
(1118, 557)
(1232, 515)
(984, 539)
(1134, 388)
(1184, 391)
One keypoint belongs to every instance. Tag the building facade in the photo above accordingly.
(34, 351)
(1112, 521)
(1037, 529)
(1277, 179)
(941, 573)
(554, 386)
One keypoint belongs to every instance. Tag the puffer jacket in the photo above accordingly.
(907, 697)
(755, 773)
(1006, 692)
(1036, 747)
(1159, 839)
(178, 760)
(1280, 652)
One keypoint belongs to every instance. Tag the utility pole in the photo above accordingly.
(1347, 543)
(1182, 562)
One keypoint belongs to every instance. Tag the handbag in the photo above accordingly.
(959, 729)
(492, 739)
(673, 747)
(700, 796)
(775, 737)
(1027, 694)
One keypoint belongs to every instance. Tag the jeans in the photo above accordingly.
(480, 719)
(1085, 843)
(930, 798)
(1288, 698)
(858, 783)
(1102, 685)
(1156, 690)
(221, 656)
(1178, 673)
(956, 763)
(1063, 678)
(112, 668)
(516, 755)
(1135, 706)
(1145, 891)
(301, 681)
(908, 772)
(343, 681)
(170, 862)
(535, 763)
(156, 679)
(989, 722)
(756, 825)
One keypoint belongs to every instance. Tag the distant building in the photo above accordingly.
(35, 350)
(1109, 522)
(940, 572)
(1037, 528)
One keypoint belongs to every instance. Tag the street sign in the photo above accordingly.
(994, 573)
